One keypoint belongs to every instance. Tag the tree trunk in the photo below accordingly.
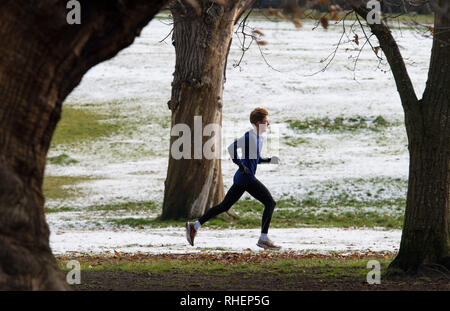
(202, 37)
(42, 59)
(426, 236)
(426, 230)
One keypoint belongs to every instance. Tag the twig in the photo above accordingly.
(163, 40)
(333, 54)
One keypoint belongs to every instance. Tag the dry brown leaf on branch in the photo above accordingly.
(334, 16)
(431, 29)
(377, 48)
(356, 39)
(261, 42)
(257, 32)
(297, 23)
(324, 22)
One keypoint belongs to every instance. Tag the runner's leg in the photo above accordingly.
(262, 194)
(233, 194)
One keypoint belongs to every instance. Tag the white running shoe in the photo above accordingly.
(268, 245)
(190, 232)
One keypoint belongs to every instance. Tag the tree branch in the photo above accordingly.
(395, 59)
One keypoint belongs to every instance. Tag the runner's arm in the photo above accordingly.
(271, 160)
(264, 160)
(232, 150)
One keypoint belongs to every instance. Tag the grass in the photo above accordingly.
(62, 159)
(77, 125)
(292, 213)
(340, 124)
(123, 207)
(276, 265)
(243, 271)
(334, 268)
(61, 187)
(294, 141)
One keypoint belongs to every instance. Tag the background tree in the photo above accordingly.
(426, 231)
(202, 34)
(42, 59)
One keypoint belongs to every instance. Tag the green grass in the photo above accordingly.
(292, 213)
(77, 125)
(62, 159)
(294, 142)
(59, 187)
(331, 268)
(122, 207)
(340, 124)
(49, 210)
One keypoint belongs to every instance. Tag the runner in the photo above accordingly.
(245, 180)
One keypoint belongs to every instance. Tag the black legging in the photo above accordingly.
(257, 190)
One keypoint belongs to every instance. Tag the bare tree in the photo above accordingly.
(202, 36)
(42, 59)
(426, 231)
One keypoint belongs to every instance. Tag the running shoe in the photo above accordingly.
(190, 232)
(268, 245)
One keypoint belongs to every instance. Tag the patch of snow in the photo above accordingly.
(173, 240)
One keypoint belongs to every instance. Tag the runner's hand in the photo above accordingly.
(274, 160)
(244, 169)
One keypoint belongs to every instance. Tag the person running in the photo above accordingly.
(245, 180)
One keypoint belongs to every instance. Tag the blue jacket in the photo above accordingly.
(250, 145)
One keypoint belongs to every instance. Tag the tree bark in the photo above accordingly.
(202, 37)
(426, 230)
(42, 59)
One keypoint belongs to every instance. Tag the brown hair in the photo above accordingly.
(258, 114)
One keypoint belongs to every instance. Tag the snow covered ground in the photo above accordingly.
(172, 240)
(131, 166)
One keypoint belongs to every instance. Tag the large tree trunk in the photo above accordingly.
(426, 231)
(42, 59)
(426, 236)
(202, 37)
